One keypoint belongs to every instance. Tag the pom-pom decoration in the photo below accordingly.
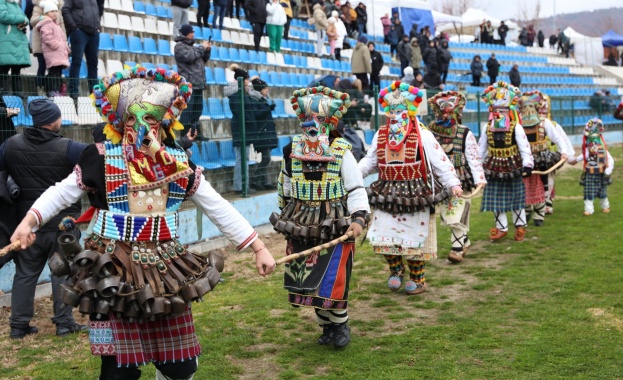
(411, 97)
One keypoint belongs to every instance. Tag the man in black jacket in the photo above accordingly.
(514, 76)
(82, 23)
(34, 172)
(443, 60)
(377, 66)
(493, 68)
(503, 31)
(255, 11)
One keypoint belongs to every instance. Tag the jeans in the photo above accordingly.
(360, 28)
(219, 12)
(230, 8)
(260, 171)
(192, 113)
(403, 66)
(87, 45)
(238, 168)
(444, 75)
(180, 17)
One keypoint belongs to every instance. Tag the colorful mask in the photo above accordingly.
(400, 103)
(448, 107)
(530, 103)
(141, 107)
(545, 109)
(318, 109)
(502, 100)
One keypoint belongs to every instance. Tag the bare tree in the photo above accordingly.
(454, 7)
(529, 12)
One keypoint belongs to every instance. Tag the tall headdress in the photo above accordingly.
(502, 100)
(530, 103)
(450, 102)
(400, 102)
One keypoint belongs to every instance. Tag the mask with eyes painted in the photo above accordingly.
(400, 103)
(448, 108)
(530, 103)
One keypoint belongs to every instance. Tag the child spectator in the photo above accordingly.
(54, 45)
(332, 36)
(37, 15)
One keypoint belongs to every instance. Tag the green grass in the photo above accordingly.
(546, 308)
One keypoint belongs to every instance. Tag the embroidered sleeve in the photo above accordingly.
(473, 158)
(196, 182)
(524, 147)
(80, 183)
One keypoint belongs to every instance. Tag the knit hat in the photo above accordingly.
(48, 6)
(239, 72)
(363, 39)
(408, 70)
(43, 112)
(186, 30)
(258, 84)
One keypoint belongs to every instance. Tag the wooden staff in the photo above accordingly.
(478, 188)
(556, 166)
(15, 246)
(315, 249)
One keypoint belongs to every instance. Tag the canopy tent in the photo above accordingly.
(587, 50)
(611, 38)
(442, 19)
(471, 20)
(410, 12)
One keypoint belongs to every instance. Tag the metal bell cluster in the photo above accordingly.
(502, 168)
(546, 159)
(405, 197)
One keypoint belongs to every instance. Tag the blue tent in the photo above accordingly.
(611, 38)
(418, 16)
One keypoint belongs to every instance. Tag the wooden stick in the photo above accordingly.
(16, 245)
(478, 188)
(556, 166)
(315, 249)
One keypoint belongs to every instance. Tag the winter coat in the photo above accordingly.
(416, 54)
(276, 14)
(286, 7)
(321, 18)
(251, 115)
(443, 58)
(423, 41)
(386, 24)
(392, 36)
(346, 13)
(502, 31)
(255, 11)
(360, 61)
(541, 38)
(191, 60)
(266, 132)
(184, 4)
(430, 57)
(523, 37)
(404, 51)
(341, 33)
(400, 31)
(407, 78)
(515, 77)
(84, 15)
(362, 15)
(332, 32)
(14, 49)
(35, 36)
(377, 62)
(413, 32)
(476, 68)
(53, 43)
(493, 67)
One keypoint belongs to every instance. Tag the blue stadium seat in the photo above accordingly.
(266, 78)
(195, 156)
(368, 134)
(120, 43)
(163, 66)
(288, 59)
(135, 45)
(209, 76)
(164, 48)
(215, 54)
(227, 153)
(205, 110)
(234, 54)
(282, 141)
(254, 56)
(194, 4)
(279, 111)
(253, 73)
(162, 11)
(210, 155)
(105, 42)
(216, 35)
(262, 58)
(244, 24)
(227, 108)
(149, 45)
(150, 10)
(198, 32)
(284, 79)
(245, 57)
(148, 65)
(219, 76)
(274, 79)
(216, 109)
(224, 54)
(23, 118)
(139, 7)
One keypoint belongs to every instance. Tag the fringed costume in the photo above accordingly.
(598, 166)
(414, 175)
(506, 155)
(320, 194)
(135, 279)
(460, 145)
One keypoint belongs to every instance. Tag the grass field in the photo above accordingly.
(549, 307)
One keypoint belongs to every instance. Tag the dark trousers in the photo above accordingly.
(492, 79)
(444, 75)
(338, 53)
(40, 70)
(392, 49)
(260, 170)
(365, 83)
(258, 31)
(192, 113)
(286, 28)
(230, 8)
(375, 80)
(53, 82)
(16, 79)
(88, 45)
(28, 266)
(203, 12)
(180, 370)
(219, 12)
(476, 79)
(403, 66)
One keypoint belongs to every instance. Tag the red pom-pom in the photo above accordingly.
(111, 117)
(314, 90)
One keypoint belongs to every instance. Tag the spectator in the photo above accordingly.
(54, 46)
(345, 16)
(598, 102)
(476, 68)
(7, 128)
(354, 25)
(191, 60)
(523, 37)
(15, 53)
(444, 57)
(503, 31)
(482, 37)
(295, 8)
(377, 66)
(560, 35)
(514, 76)
(8, 216)
(612, 60)
(179, 8)
(34, 172)
(393, 39)
(404, 52)
(424, 39)
(220, 8)
(330, 7)
(432, 79)
(416, 54)
(288, 9)
(419, 80)
(493, 68)
(608, 102)
(266, 136)
(359, 109)
(230, 8)
(430, 56)
(386, 22)
(255, 11)
(321, 22)
(35, 43)
(552, 41)
(362, 19)
(400, 29)
(332, 36)
(203, 12)
(531, 35)
(408, 75)
(358, 148)
(82, 22)
(341, 34)
(487, 33)
(541, 38)
(361, 62)
(413, 33)
(275, 21)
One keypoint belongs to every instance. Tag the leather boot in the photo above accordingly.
(327, 335)
(341, 335)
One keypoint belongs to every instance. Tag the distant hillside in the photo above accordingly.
(590, 23)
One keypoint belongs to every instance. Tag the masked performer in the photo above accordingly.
(460, 145)
(135, 279)
(598, 166)
(414, 175)
(537, 131)
(548, 181)
(321, 196)
(507, 158)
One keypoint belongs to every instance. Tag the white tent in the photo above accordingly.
(472, 18)
(587, 50)
(442, 19)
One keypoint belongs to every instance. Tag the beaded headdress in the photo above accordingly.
(400, 96)
(451, 102)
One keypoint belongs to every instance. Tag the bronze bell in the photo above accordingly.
(58, 265)
(132, 310)
(69, 245)
(274, 218)
(69, 295)
(88, 285)
(280, 226)
(189, 292)
(167, 306)
(202, 285)
(109, 286)
(158, 306)
(145, 298)
(86, 259)
(178, 305)
(119, 306)
(102, 307)
(86, 305)
(103, 265)
(216, 260)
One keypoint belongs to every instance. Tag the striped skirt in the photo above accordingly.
(504, 196)
(535, 191)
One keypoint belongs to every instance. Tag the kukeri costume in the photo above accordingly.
(460, 145)
(537, 131)
(320, 194)
(598, 166)
(135, 279)
(506, 155)
(414, 175)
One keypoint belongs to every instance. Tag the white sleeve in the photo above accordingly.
(527, 161)
(287, 182)
(57, 198)
(554, 136)
(610, 165)
(226, 218)
(569, 147)
(442, 168)
(580, 158)
(369, 164)
(353, 183)
(474, 159)
(483, 144)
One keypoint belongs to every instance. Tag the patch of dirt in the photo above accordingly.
(606, 319)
